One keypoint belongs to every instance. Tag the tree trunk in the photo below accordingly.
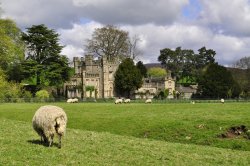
(102, 77)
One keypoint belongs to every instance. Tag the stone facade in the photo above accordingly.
(88, 73)
(152, 86)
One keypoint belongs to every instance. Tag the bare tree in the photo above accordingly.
(134, 51)
(243, 63)
(108, 41)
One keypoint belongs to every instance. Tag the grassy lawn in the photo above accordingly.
(105, 133)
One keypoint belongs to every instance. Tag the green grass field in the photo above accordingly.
(132, 134)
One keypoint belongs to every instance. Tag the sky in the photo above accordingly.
(221, 25)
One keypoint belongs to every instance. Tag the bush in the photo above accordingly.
(26, 95)
(42, 95)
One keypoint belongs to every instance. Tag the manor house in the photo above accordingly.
(93, 80)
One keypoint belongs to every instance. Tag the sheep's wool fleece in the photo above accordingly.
(45, 117)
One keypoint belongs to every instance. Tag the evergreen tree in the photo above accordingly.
(142, 68)
(44, 61)
(217, 82)
(127, 78)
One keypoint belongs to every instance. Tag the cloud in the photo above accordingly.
(131, 12)
(228, 17)
(53, 13)
(75, 38)
(221, 25)
(63, 13)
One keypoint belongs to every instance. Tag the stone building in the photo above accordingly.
(90, 81)
(89, 73)
(153, 85)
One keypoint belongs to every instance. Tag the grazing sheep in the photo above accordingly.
(127, 101)
(48, 121)
(75, 100)
(69, 100)
(148, 101)
(222, 101)
(118, 101)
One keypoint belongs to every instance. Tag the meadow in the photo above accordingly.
(129, 134)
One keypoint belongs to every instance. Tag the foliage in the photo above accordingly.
(90, 89)
(142, 68)
(42, 95)
(156, 72)
(184, 62)
(242, 77)
(108, 41)
(127, 77)
(11, 45)
(217, 82)
(9, 91)
(44, 61)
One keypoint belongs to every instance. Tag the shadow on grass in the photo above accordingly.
(38, 142)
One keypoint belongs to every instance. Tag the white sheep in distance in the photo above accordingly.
(75, 100)
(118, 101)
(48, 121)
(69, 101)
(222, 101)
(148, 101)
(127, 101)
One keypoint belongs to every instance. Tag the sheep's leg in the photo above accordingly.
(60, 141)
(51, 140)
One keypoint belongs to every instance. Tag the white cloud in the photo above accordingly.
(131, 11)
(222, 25)
(230, 17)
(75, 38)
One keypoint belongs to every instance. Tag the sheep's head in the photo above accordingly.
(60, 125)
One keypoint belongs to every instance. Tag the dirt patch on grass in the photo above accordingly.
(236, 132)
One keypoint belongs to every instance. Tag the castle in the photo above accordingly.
(95, 78)
(95, 73)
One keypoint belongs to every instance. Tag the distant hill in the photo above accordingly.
(151, 65)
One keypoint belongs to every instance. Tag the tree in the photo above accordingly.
(157, 72)
(185, 63)
(142, 68)
(243, 63)
(44, 61)
(127, 77)
(90, 89)
(108, 42)
(134, 51)
(11, 45)
(217, 82)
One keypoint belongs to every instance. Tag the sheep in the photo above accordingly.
(148, 101)
(222, 101)
(118, 101)
(75, 100)
(69, 100)
(127, 101)
(48, 121)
